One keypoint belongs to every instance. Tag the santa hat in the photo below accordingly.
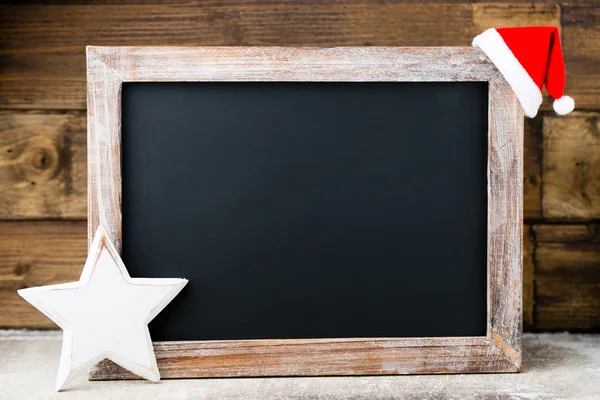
(529, 57)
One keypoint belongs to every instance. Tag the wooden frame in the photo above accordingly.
(498, 351)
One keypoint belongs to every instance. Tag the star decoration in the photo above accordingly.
(105, 314)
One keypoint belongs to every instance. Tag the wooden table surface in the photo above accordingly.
(556, 366)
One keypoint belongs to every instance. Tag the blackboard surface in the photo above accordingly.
(309, 210)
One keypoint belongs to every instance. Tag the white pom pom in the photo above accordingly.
(564, 105)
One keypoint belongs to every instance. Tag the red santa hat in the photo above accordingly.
(528, 58)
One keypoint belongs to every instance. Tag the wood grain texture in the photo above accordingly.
(581, 45)
(36, 253)
(63, 194)
(42, 165)
(498, 14)
(498, 351)
(571, 166)
(528, 280)
(319, 357)
(567, 277)
(505, 219)
(300, 64)
(532, 168)
(263, 2)
(42, 46)
(104, 150)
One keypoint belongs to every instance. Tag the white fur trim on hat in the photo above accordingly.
(564, 105)
(517, 77)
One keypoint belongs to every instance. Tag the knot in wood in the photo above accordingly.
(41, 160)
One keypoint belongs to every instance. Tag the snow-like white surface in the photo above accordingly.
(557, 366)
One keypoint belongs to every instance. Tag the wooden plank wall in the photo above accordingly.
(43, 128)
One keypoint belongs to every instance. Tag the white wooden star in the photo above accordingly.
(105, 314)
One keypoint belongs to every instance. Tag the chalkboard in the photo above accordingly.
(309, 210)
(337, 211)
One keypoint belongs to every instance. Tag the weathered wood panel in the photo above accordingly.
(506, 13)
(528, 282)
(266, 2)
(571, 166)
(532, 174)
(505, 220)
(42, 65)
(42, 165)
(42, 46)
(35, 253)
(49, 149)
(581, 44)
(567, 277)
(308, 357)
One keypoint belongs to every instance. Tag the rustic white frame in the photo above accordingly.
(498, 351)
